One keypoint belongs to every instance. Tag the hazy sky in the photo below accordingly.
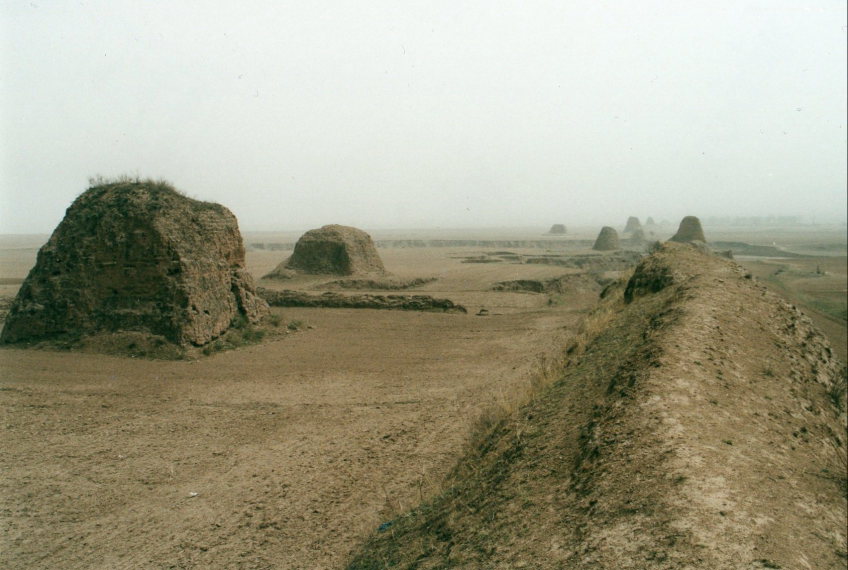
(389, 114)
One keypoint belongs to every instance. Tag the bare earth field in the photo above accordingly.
(283, 454)
(287, 454)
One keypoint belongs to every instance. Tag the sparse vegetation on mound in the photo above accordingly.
(134, 344)
(661, 443)
(244, 333)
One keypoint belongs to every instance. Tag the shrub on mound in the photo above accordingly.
(137, 256)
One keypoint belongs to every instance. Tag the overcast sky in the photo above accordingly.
(392, 114)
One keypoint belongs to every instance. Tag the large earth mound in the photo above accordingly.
(689, 230)
(607, 240)
(334, 250)
(140, 257)
(700, 424)
(557, 229)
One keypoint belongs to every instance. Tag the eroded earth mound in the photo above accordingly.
(689, 230)
(700, 425)
(138, 257)
(557, 229)
(607, 240)
(334, 250)
(632, 225)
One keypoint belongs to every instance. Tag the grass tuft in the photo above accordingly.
(838, 392)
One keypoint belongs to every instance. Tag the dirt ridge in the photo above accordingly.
(703, 426)
(329, 299)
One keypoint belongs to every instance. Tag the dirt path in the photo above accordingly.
(281, 455)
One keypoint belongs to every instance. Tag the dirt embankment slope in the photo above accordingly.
(702, 426)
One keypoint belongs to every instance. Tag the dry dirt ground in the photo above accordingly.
(284, 454)
(278, 455)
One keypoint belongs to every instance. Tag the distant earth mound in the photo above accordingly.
(137, 257)
(689, 230)
(699, 422)
(607, 240)
(332, 250)
(637, 237)
(557, 229)
(632, 225)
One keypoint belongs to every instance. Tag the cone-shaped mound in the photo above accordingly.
(689, 230)
(650, 222)
(137, 256)
(632, 224)
(557, 229)
(607, 240)
(335, 250)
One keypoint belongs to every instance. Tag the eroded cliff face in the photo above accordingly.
(137, 256)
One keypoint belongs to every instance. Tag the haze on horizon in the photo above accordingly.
(429, 114)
